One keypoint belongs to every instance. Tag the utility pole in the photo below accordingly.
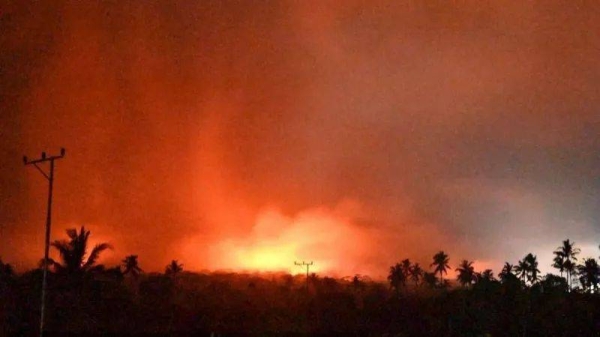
(307, 264)
(50, 178)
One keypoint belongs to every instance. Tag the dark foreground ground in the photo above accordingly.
(108, 304)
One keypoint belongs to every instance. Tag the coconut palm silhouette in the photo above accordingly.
(74, 258)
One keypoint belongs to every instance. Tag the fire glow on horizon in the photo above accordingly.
(320, 235)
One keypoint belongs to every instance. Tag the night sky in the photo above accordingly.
(247, 135)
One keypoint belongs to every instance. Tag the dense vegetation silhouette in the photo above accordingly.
(85, 298)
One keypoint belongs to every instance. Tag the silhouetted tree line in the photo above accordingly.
(86, 298)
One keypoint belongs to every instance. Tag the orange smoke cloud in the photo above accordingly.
(322, 235)
(342, 240)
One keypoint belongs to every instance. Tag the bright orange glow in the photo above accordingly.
(266, 257)
(320, 235)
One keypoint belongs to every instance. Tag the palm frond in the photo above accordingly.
(62, 246)
(91, 260)
(72, 233)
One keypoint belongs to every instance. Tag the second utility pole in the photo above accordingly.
(307, 268)
(50, 178)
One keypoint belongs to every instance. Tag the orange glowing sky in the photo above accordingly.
(242, 135)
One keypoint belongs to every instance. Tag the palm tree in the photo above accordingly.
(406, 265)
(440, 261)
(589, 274)
(131, 266)
(466, 273)
(559, 262)
(570, 268)
(507, 272)
(73, 253)
(521, 270)
(532, 268)
(429, 279)
(416, 272)
(396, 277)
(569, 253)
(174, 268)
(486, 276)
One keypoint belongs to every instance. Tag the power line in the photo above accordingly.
(50, 178)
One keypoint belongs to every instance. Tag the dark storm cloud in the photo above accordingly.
(479, 119)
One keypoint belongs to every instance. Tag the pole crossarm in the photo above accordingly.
(41, 160)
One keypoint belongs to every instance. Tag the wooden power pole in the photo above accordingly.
(50, 177)
(307, 264)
